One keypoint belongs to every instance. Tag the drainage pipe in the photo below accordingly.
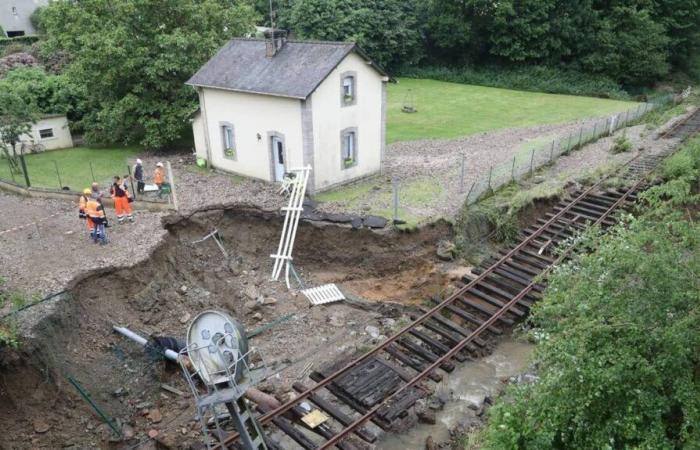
(170, 354)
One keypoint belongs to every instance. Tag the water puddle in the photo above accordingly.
(469, 383)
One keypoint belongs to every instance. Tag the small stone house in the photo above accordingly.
(15, 16)
(51, 131)
(269, 105)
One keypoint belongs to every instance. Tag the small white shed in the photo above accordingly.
(268, 105)
(51, 131)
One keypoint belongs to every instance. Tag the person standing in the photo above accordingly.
(120, 195)
(84, 198)
(138, 176)
(96, 213)
(159, 177)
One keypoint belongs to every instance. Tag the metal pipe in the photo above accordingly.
(170, 354)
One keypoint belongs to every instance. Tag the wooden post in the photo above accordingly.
(532, 160)
(461, 178)
(58, 175)
(171, 180)
(512, 170)
(490, 171)
(580, 136)
(92, 172)
(551, 152)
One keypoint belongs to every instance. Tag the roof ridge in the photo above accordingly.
(299, 41)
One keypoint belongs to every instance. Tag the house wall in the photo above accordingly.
(61, 133)
(198, 131)
(19, 21)
(251, 115)
(330, 118)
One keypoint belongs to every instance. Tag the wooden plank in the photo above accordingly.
(444, 321)
(486, 310)
(435, 326)
(483, 284)
(418, 366)
(407, 343)
(434, 344)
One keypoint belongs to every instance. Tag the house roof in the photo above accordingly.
(295, 71)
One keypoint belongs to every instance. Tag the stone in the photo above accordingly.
(430, 443)
(128, 432)
(270, 301)
(183, 289)
(40, 425)
(446, 250)
(251, 306)
(538, 179)
(120, 392)
(372, 331)
(427, 416)
(374, 222)
(144, 405)
(257, 316)
(387, 322)
(356, 223)
(335, 320)
(251, 293)
(154, 415)
(185, 318)
(152, 434)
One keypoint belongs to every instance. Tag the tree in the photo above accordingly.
(133, 57)
(48, 94)
(388, 30)
(628, 46)
(16, 119)
(457, 30)
(521, 30)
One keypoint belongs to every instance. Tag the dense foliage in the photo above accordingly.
(634, 43)
(47, 94)
(619, 347)
(16, 118)
(133, 57)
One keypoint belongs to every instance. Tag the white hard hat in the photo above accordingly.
(160, 164)
(138, 161)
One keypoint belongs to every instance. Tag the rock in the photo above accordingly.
(335, 321)
(430, 443)
(128, 432)
(235, 266)
(154, 415)
(40, 425)
(372, 331)
(427, 416)
(356, 223)
(251, 306)
(185, 318)
(251, 293)
(121, 392)
(144, 405)
(152, 434)
(183, 289)
(537, 179)
(446, 250)
(387, 322)
(257, 316)
(374, 222)
(270, 301)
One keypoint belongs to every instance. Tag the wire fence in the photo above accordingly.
(524, 164)
(50, 172)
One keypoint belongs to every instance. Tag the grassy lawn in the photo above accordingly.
(73, 166)
(450, 110)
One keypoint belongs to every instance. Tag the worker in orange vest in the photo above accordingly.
(84, 198)
(159, 177)
(96, 213)
(120, 194)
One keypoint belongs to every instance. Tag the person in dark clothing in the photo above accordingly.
(138, 176)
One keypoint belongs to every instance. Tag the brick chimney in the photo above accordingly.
(274, 41)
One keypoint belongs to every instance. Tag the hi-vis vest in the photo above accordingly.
(94, 209)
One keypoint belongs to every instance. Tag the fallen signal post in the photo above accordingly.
(500, 292)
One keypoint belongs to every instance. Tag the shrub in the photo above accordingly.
(621, 145)
(14, 47)
(528, 78)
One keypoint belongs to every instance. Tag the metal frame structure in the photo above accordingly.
(293, 210)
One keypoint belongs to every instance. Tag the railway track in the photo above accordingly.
(381, 385)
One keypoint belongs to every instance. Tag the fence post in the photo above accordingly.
(92, 172)
(595, 130)
(580, 136)
(58, 175)
(12, 172)
(470, 191)
(512, 170)
(490, 171)
(568, 143)
(461, 177)
(551, 151)
(24, 168)
(395, 196)
(131, 181)
(532, 160)
(173, 196)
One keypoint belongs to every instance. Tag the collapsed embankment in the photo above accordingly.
(69, 338)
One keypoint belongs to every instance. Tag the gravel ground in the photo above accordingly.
(54, 246)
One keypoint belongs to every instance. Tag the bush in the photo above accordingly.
(528, 78)
(621, 145)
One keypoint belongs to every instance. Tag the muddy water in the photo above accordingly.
(469, 383)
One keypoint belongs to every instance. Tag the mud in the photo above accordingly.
(72, 337)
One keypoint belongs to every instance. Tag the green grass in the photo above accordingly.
(73, 167)
(450, 110)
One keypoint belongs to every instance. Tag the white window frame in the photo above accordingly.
(53, 135)
(348, 88)
(228, 141)
(348, 148)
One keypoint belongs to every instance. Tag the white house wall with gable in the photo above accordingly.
(252, 116)
(330, 118)
(58, 137)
